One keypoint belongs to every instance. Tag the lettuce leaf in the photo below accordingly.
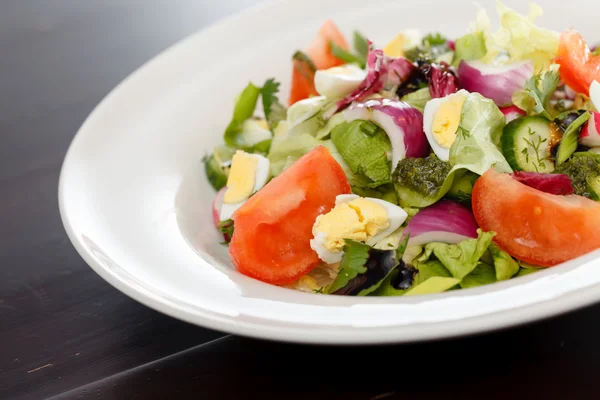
(287, 149)
(504, 265)
(470, 47)
(364, 145)
(462, 258)
(353, 263)
(476, 147)
(518, 37)
(483, 274)
(418, 98)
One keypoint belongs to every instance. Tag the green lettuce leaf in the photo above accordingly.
(523, 40)
(353, 263)
(418, 98)
(470, 47)
(476, 147)
(462, 258)
(526, 271)
(287, 149)
(535, 97)
(306, 116)
(435, 284)
(273, 109)
(505, 266)
(429, 269)
(355, 180)
(364, 146)
(483, 274)
(243, 110)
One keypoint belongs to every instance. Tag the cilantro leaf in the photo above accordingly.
(534, 98)
(346, 56)
(274, 110)
(353, 263)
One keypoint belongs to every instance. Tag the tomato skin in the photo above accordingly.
(272, 230)
(320, 57)
(533, 226)
(319, 50)
(578, 68)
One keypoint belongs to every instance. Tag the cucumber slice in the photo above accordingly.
(526, 144)
(216, 166)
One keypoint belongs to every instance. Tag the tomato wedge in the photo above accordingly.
(271, 239)
(319, 50)
(303, 78)
(578, 67)
(533, 226)
(318, 56)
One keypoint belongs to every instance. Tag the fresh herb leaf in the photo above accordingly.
(226, 228)
(353, 263)
(346, 56)
(274, 110)
(584, 170)
(244, 109)
(361, 44)
(421, 182)
(435, 39)
(568, 143)
(535, 97)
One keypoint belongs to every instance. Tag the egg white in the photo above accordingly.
(338, 82)
(431, 108)
(396, 217)
(595, 94)
(261, 175)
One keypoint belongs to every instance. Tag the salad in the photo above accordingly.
(426, 165)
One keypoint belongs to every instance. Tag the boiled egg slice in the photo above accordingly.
(363, 219)
(595, 94)
(441, 118)
(248, 173)
(338, 82)
(403, 41)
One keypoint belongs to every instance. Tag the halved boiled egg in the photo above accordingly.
(338, 82)
(441, 118)
(248, 173)
(403, 41)
(595, 94)
(363, 219)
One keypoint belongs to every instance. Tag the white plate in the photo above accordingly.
(136, 205)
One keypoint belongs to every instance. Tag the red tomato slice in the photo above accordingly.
(533, 226)
(578, 68)
(319, 50)
(318, 56)
(271, 239)
(303, 79)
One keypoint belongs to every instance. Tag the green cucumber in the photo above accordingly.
(526, 144)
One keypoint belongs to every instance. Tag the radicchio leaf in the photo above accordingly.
(441, 79)
(559, 184)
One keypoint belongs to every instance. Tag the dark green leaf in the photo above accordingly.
(353, 263)
(274, 110)
(568, 143)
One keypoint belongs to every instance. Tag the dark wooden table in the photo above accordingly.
(65, 332)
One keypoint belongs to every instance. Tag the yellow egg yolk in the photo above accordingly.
(359, 220)
(242, 177)
(395, 48)
(446, 120)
